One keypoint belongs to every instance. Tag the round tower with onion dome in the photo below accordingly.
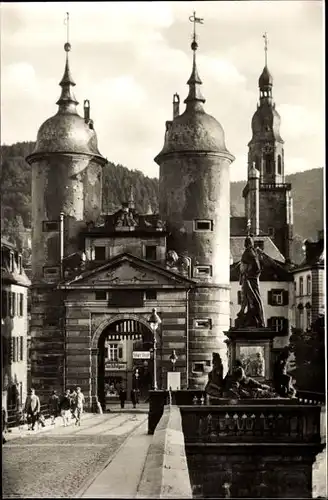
(66, 194)
(194, 187)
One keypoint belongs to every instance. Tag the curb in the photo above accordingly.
(87, 485)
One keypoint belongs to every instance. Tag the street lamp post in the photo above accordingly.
(173, 359)
(154, 321)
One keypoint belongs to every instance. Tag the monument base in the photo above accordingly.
(253, 347)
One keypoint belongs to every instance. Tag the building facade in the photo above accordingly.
(96, 278)
(309, 285)
(14, 325)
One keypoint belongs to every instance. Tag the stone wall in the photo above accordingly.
(166, 474)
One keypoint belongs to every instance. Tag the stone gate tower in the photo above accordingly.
(66, 194)
(268, 201)
(194, 200)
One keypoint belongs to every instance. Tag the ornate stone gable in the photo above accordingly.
(128, 271)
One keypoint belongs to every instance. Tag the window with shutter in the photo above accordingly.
(277, 298)
(270, 297)
(14, 303)
(120, 352)
(285, 298)
(286, 325)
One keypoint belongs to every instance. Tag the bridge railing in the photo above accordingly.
(289, 421)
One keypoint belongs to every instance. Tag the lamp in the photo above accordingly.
(173, 359)
(154, 321)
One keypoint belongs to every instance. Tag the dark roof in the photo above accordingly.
(269, 248)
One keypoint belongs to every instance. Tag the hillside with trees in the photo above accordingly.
(15, 190)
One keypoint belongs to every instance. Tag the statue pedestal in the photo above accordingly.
(253, 347)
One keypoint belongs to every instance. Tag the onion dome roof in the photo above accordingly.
(265, 78)
(67, 131)
(194, 130)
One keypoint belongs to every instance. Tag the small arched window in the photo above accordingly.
(279, 165)
(268, 164)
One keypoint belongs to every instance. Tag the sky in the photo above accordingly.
(129, 58)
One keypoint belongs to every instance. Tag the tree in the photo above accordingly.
(309, 350)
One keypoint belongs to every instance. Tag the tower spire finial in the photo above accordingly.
(67, 27)
(265, 36)
(67, 102)
(194, 81)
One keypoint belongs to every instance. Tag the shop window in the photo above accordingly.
(203, 225)
(114, 352)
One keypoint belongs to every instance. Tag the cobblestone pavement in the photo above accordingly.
(57, 462)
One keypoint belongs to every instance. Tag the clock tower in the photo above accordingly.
(268, 202)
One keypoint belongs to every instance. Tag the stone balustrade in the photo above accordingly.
(252, 449)
(262, 420)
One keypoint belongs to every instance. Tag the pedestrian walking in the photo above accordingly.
(79, 405)
(32, 408)
(122, 395)
(72, 396)
(65, 407)
(134, 397)
(53, 406)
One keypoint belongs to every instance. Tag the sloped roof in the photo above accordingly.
(269, 248)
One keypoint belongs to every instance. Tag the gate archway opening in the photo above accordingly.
(125, 356)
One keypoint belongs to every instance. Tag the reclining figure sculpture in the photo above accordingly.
(237, 385)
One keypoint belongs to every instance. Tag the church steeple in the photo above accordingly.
(67, 102)
(195, 98)
(265, 80)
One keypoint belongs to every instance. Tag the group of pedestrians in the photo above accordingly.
(69, 406)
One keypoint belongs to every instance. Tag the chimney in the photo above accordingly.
(86, 111)
(176, 105)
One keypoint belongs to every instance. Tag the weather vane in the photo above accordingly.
(265, 36)
(195, 20)
(66, 22)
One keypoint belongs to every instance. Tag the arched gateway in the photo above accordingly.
(124, 350)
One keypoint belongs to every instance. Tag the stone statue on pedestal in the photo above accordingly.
(251, 312)
(235, 385)
(281, 380)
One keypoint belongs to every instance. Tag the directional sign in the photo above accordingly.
(141, 355)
